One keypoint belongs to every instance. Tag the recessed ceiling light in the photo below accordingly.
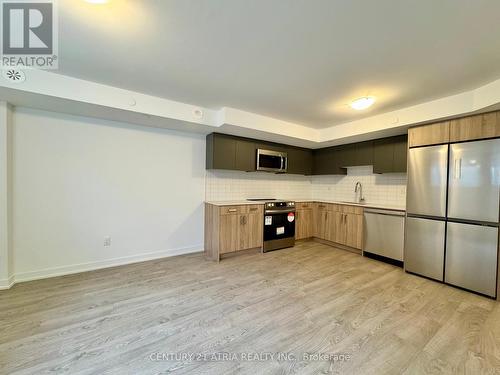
(363, 103)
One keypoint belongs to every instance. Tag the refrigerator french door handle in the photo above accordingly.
(458, 169)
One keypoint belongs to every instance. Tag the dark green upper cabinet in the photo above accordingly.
(323, 161)
(221, 152)
(355, 154)
(246, 155)
(328, 161)
(271, 146)
(383, 156)
(240, 154)
(364, 153)
(228, 152)
(346, 155)
(299, 161)
(400, 154)
(389, 154)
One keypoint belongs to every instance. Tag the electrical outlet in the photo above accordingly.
(107, 241)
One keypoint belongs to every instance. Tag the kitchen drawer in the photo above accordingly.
(243, 209)
(334, 207)
(352, 210)
(330, 207)
(253, 209)
(232, 210)
(304, 205)
(322, 206)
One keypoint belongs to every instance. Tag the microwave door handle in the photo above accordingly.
(281, 162)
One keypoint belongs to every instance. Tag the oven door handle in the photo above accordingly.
(278, 211)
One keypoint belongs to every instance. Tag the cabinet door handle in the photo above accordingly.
(232, 210)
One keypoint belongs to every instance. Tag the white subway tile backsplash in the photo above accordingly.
(234, 185)
(384, 189)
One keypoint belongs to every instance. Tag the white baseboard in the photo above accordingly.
(7, 283)
(91, 266)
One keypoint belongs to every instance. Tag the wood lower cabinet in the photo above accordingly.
(320, 220)
(336, 232)
(251, 230)
(304, 221)
(342, 224)
(229, 229)
(353, 230)
(232, 228)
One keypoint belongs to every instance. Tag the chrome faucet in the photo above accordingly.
(360, 188)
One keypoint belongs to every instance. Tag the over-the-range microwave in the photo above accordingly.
(272, 161)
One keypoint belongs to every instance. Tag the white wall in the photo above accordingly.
(6, 251)
(77, 180)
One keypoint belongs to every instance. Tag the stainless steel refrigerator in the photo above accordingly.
(453, 214)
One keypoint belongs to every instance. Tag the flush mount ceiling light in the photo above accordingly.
(363, 103)
(97, 1)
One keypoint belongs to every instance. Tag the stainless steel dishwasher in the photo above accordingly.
(384, 233)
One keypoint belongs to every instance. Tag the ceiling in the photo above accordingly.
(301, 61)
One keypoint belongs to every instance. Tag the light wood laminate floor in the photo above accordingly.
(308, 299)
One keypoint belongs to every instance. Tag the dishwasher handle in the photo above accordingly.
(384, 212)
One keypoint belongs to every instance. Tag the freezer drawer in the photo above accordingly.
(474, 181)
(427, 175)
(424, 247)
(471, 257)
(384, 233)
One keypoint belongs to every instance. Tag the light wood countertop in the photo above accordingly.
(366, 205)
